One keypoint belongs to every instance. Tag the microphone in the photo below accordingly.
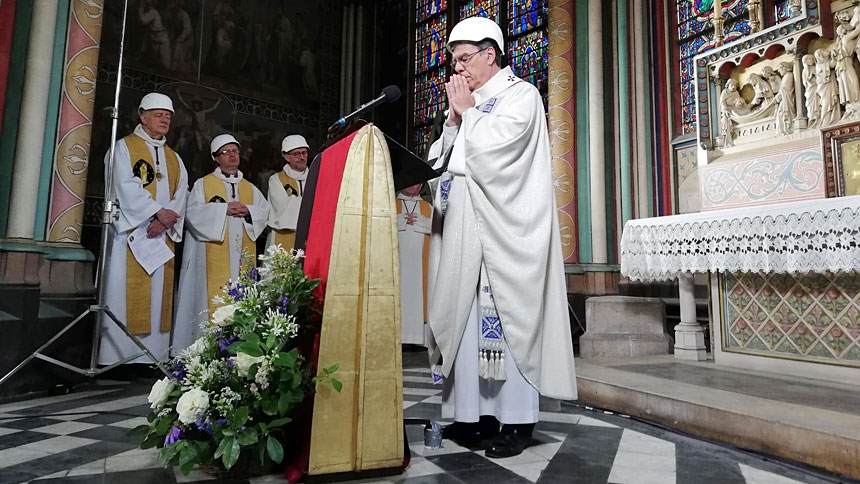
(389, 95)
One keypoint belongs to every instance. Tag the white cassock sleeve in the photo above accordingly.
(207, 221)
(401, 222)
(259, 215)
(422, 223)
(284, 210)
(136, 205)
(178, 201)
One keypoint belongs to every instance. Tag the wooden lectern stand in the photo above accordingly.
(351, 244)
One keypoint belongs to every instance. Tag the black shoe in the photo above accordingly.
(469, 434)
(511, 441)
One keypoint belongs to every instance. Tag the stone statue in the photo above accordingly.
(762, 89)
(771, 77)
(810, 91)
(827, 89)
(843, 62)
(784, 99)
(731, 104)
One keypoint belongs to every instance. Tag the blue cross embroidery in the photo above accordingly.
(491, 328)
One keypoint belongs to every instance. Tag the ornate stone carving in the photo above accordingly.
(784, 99)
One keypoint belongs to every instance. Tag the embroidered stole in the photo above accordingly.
(138, 287)
(218, 253)
(427, 211)
(287, 237)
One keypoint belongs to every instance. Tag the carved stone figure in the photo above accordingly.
(762, 89)
(731, 104)
(810, 91)
(828, 91)
(843, 63)
(771, 77)
(784, 99)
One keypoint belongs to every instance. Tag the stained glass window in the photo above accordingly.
(480, 8)
(527, 56)
(782, 12)
(525, 15)
(430, 44)
(429, 97)
(425, 9)
(696, 35)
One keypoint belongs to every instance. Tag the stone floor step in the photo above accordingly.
(810, 421)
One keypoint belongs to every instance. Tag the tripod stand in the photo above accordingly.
(99, 309)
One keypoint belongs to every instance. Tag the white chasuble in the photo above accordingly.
(138, 208)
(208, 223)
(414, 244)
(500, 213)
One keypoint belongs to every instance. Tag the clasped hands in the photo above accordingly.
(237, 209)
(460, 99)
(410, 219)
(164, 219)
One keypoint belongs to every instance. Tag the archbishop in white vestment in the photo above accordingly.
(150, 183)
(498, 300)
(413, 230)
(225, 215)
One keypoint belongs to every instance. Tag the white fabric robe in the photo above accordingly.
(501, 210)
(208, 222)
(284, 211)
(136, 208)
(411, 243)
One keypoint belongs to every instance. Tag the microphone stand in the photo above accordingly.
(99, 309)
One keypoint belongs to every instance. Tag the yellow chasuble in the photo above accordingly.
(138, 291)
(218, 253)
(287, 237)
(427, 211)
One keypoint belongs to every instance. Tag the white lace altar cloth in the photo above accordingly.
(805, 236)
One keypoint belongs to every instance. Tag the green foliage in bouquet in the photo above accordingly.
(236, 385)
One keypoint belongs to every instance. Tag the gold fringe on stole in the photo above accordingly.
(287, 238)
(218, 253)
(138, 284)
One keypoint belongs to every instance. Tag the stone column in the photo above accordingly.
(562, 111)
(72, 158)
(800, 121)
(689, 335)
(34, 105)
(596, 151)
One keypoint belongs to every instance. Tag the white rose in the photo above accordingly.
(160, 391)
(191, 405)
(195, 349)
(244, 361)
(223, 316)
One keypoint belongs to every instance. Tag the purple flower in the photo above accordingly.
(204, 426)
(223, 343)
(174, 436)
(255, 275)
(283, 304)
(178, 370)
(230, 363)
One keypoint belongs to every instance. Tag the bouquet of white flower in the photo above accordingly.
(236, 385)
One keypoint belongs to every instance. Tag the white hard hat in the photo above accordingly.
(155, 100)
(292, 142)
(476, 29)
(221, 141)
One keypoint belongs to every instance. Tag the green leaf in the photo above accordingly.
(283, 403)
(151, 441)
(188, 454)
(222, 447)
(270, 405)
(251, 349)
(139, 431)
(240, 417)
(333, 368)
(248, 436)
(286, 359)
(279, 421)
(275, 449)
(186, 468)
(271, 340)
(228, 432)
(336, 384)
(231, 453)
(263, 428)
(252, 338)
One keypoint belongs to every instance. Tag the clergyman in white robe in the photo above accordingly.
(412, 238)
(498, 308)
(209, 222)
(137, 208)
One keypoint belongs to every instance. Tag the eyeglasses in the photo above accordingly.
(464, 59)
(228, 152)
